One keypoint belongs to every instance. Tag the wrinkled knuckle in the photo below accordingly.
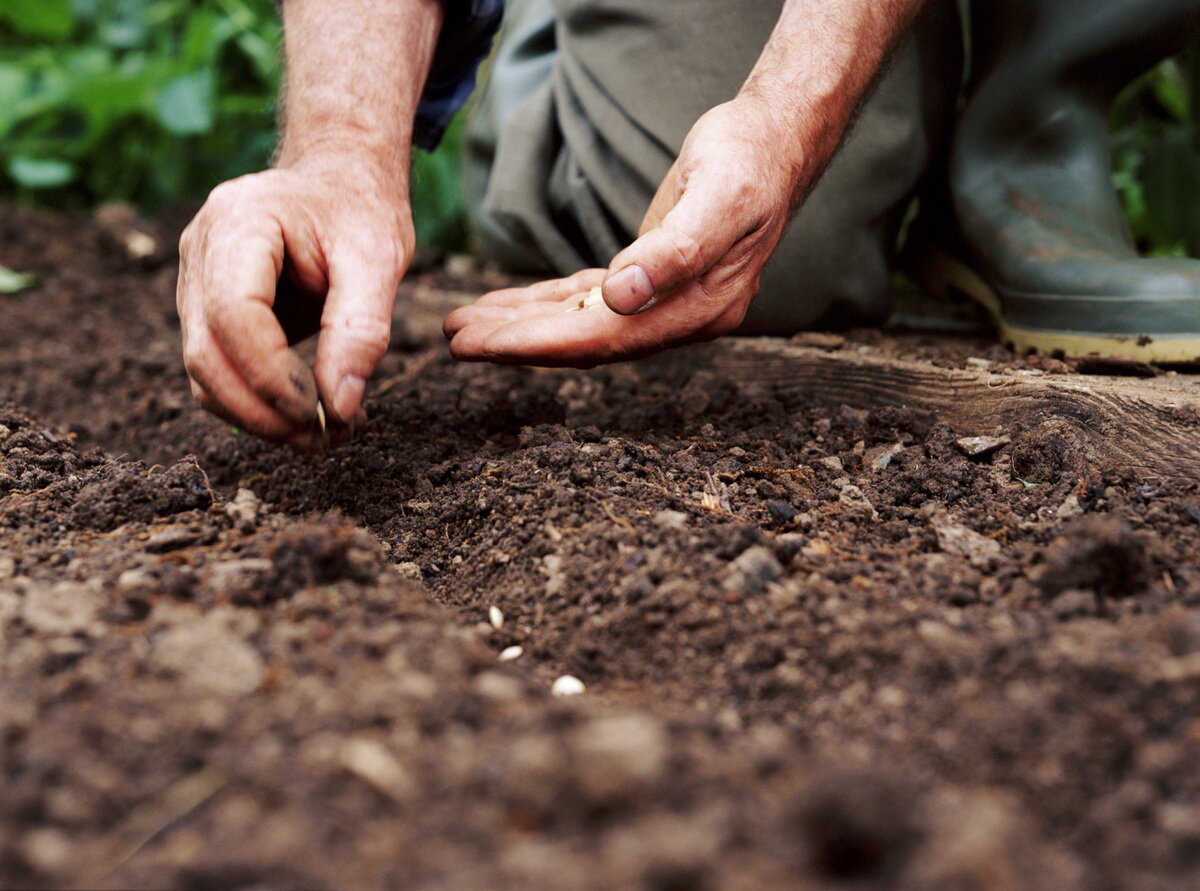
(195, 362)
(380, 251)
(744, 192)
(368, 335)
(223, 197)
(389, 252)
(233, 198)
(689, 254)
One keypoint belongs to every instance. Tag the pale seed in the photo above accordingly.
(595, 297)
(567, 686)
(321, 422)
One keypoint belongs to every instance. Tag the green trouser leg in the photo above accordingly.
(1031, 178)
(589, 101)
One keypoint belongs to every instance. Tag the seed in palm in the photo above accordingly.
(594, 297)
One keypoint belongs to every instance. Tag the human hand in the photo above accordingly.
(272, 257)
(691, 274)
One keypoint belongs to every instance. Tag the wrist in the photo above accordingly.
(788, 154)
(350, 156)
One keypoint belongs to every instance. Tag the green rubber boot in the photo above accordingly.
(1042, 232)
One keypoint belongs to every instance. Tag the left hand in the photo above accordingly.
(691, 274)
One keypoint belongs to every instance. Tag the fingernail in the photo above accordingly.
(348, 396)
(629, 290)
(299, 401)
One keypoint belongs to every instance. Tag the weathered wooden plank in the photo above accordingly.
(1152, 425)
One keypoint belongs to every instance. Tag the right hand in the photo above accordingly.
(332, 229)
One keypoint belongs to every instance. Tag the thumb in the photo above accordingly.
(355, 329)
(692, 238)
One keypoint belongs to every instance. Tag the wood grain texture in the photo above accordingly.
(1152, 426)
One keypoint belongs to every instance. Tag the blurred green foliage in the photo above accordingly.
(1156, 157)
(155, 102)
(150, 101)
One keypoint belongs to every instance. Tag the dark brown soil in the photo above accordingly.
(821, 649)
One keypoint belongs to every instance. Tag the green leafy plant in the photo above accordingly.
(155, 102)
(149, 101)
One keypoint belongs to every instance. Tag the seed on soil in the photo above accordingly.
(496, 617)
(508, 654)
(11, 282)
(567, 686)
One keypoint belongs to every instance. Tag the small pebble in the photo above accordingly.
(567, 686)
(408, 571)
(753, 571)
(508, 654)
(496, 617)
(880, 457)
(978, 446)
(781, 511)
(671, 519)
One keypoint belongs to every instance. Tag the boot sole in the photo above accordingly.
(946, 276)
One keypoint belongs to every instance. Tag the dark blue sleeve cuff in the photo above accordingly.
(468, 28)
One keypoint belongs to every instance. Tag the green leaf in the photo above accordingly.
(1171, 89)
(186, 105)
(108, 98)
(13, 282)
(47, 19)
(40, 173)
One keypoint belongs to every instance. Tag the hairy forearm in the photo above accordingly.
(355, 71)
(817, 65)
